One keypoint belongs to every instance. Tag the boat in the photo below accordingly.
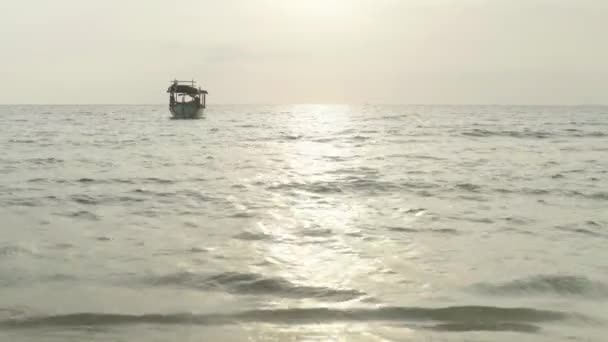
(186, 101)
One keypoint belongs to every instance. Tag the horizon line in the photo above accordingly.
(320, 104)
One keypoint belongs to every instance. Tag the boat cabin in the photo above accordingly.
(181, 93)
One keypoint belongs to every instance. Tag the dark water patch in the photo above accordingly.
(368, 185)
(516, 230)
(167, 197)
(194, 194)
(253, 236)
(127, 199)
(518, 220)
(63, 246)
(477, 132)
(444, 231)
(579, 229)
(557, 176)
(432, 231)
(293, 137)
(314, 187)
(524, 191)
(335, 158)
(425, 193)
(471, 219)
(156, 180)
(196, 250)
(417, 185)
(122, 181)
(602, 195)
(90, 200)
(563, 285)
(468, 187)
(529, 191)
(252, 284)
(599, 196)
(13, 250)
(403, 230)
(354, 234)
(591, 135)
(243, 214)
(153, 193)
(486, 326)
(397, 117)
(425, 157)
(455, 318)
(360, 138)
(317, 232)
(473, 198)
(85, 199)
(415, 211)
(22, 141)
(24, 202)
(324, 140)
(44, 161)
(80, 214)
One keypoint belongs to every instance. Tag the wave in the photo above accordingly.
(14, 250)
(253, 236)
(457, 318)
(486, 326)
(478, 132)
(44, 161)
(572, 133)
(547, 285)
(414, 230)
(340, 186)
(252, 283)
(580, 230)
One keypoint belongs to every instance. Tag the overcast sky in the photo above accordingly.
(306, 51)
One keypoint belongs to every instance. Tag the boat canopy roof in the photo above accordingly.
(185, 89)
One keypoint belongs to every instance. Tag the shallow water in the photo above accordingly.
(364, 223)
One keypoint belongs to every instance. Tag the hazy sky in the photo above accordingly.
(306, 51)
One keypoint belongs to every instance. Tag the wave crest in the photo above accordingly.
(252, 283)
(547, 284)
(458, 318)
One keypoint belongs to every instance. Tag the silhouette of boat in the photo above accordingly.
(186, 101)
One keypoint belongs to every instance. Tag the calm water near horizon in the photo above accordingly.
(304, 222)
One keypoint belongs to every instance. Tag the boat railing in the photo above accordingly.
(193, 82)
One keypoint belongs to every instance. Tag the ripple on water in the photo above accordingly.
(251, 284)
(546, 285)
(431, 231)
(253, 236)
(456, 318)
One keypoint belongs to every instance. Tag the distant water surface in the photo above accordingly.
(284, 223)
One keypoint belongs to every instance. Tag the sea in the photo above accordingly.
(304, 223)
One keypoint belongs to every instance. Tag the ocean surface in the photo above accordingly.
(304, 223)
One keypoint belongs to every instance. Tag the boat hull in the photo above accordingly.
(186, 110)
